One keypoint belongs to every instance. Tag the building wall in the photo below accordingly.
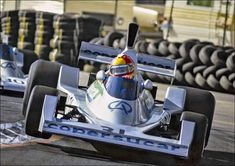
(198, 22)
(40, 5)
(124, 9)
(9, 5)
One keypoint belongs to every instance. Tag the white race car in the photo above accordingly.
(118, 109)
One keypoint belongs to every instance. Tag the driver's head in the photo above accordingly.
(122, 66)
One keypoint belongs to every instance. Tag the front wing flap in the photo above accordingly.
(115, 134)
(13, 84)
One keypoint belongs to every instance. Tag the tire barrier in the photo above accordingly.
(9, 26)
(87, 29)
(199, 64)
(69, 31)
(27, 29)
(153, 47)
(63, 42)
(43, 34)
(51, 36)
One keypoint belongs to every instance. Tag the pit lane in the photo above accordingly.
(62, 150)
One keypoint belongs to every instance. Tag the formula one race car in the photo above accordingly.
(14, 64)
(118, 108)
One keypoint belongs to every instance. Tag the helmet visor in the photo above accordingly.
(121, 69)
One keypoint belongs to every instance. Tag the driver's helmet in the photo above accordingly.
(122, 66)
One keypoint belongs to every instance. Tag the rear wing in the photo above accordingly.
(147, 63)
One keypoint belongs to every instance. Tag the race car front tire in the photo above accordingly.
(202, 102)
(41, 73)
(199, 136)
(34, 110)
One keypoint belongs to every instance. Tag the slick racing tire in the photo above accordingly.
(116, 43)
(194, 53)
(201, 81)
(202, 102)
(205, 54)
(185, 48)
(163, 48)
(174, 48)
(213, 82)
(41, 73)
(34, 110)
(189, 78)
(197, 145)
(110, 37)
(209, 70)
(153, 47)
(230, 62)
(219, 57)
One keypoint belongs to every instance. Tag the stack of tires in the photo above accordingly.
(43, 34)
(0, 24)
(9, 26)
(164, 48)
(108, 40)
(199, 64)
(87, 28)
(27, 29)
(64, 40)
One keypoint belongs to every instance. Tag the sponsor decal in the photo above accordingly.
(94, 91)
(106, 134)
(13, 80)
(120, 106)
(8, 65)
(98, 53)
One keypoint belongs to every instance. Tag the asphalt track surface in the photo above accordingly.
(70, 151)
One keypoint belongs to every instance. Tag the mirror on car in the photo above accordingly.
(100, 75)
(148, 85)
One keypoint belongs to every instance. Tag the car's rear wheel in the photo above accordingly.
(34, 110)
(41, 73)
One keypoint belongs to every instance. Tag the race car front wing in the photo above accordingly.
(129, 136)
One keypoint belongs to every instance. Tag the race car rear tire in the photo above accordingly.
(197, 145)
(202, 102)
(41, 73)
(34, 110)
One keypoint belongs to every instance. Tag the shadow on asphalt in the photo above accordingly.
(148, 158)
(12, 94)
(218, 158)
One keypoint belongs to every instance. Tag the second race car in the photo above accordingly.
(14, 67)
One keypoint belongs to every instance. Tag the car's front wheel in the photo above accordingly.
(41, 73)
(34, 110)
(199, 135)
